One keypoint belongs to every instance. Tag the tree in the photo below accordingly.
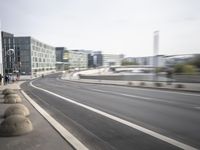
(185, 68)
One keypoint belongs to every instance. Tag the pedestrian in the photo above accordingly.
(6, 79)
(17, 77)
(1, 79)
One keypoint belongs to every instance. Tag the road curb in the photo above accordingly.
(73, 141)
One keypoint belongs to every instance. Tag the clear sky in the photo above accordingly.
(112, 26)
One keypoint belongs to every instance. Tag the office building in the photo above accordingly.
(78, 59)
(71, 59)
(8, 53)
(111, 60)
(62, 58)
(95, 59)
(27, 55)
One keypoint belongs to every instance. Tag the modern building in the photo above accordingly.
(71, 59)
(26, 55)
(111, 60)
(35, 57)
(95, 59)
(78, 59)
(62, 58)
(8, 54)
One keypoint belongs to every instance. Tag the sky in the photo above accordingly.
(112, 26)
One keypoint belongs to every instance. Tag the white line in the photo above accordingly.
(132, 96)
(132, 125)
(197, 107)
(63, 132)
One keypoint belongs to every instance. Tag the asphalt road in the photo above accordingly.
(173, 114)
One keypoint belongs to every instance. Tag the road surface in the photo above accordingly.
(174, 115)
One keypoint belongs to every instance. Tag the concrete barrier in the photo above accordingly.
(15, 125)
(16, 109)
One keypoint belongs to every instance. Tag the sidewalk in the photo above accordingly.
(187, 87)
(43, 136)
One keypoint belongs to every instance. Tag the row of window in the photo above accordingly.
(36, 65)
(43, 55)
(43, 50)
(42, 45)
(36, 59)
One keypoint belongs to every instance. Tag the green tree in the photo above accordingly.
(185, 68)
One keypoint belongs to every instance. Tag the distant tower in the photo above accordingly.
(156, 47)
(155, 51)
(156, 42)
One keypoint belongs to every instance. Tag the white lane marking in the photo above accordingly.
(132, 125)
(132, 96)
(197, 107)
(63, 132)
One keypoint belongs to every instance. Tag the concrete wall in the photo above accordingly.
(144, 77)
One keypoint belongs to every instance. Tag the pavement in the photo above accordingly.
(43, 136)
(187, 87)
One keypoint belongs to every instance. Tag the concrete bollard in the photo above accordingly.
(12, 98)
(15, 125)
(130, 83)
(8, 91)
(17, 109)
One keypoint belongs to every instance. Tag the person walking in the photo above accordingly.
(1, 79)
(6, 79)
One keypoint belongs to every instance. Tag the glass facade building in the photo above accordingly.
(8, 43)
(71, 59)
